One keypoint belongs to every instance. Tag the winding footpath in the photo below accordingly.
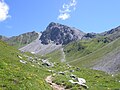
(54, 85)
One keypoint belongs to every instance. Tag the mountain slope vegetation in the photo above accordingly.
(17, 72)
(82, 48)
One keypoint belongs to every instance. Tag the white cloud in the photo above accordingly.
(67, 9)
(64, 16)
(4, 9)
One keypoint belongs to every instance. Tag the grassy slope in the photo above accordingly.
(55, 56)
(82, 48)
(18, 76)
(87, 60)
(96, 80)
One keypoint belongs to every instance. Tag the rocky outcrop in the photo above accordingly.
(112, 34)
(89, 36)
(60, 34)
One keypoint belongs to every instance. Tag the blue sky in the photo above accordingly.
(87, 15)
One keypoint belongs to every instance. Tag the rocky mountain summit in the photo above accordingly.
(60, 34)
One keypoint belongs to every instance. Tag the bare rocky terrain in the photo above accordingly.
(36, 47)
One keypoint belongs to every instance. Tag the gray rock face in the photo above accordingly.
(60, 34)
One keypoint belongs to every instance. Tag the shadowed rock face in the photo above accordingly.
(60, 34)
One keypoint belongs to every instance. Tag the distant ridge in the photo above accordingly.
(21, 40)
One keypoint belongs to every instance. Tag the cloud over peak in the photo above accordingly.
(4, 9)
(67, 9)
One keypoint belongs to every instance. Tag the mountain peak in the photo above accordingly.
(60, 34)
(52, 23)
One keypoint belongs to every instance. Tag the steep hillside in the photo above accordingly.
(21, 40)
(105, 58)
(79, 49)
(19, 72)
(60, 34)
(110, 62)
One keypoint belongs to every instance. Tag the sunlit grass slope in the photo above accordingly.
(15, 75)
